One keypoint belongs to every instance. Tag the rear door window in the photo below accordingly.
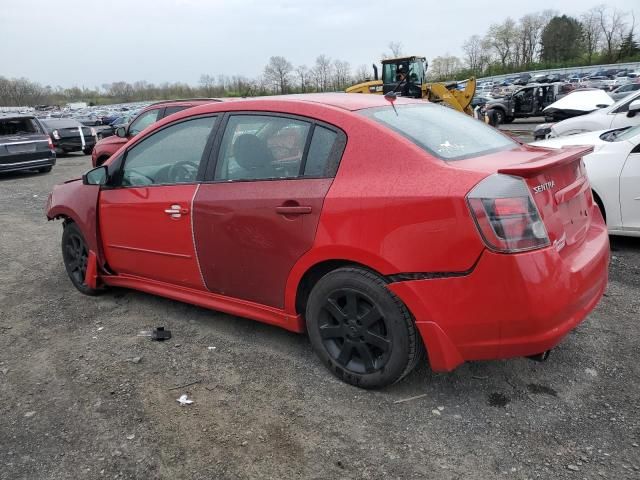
(17, 126)
(323, 157)
(261, 147)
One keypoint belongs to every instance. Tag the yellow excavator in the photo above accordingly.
(407, 77)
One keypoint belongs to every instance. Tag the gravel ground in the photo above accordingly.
(82, 396)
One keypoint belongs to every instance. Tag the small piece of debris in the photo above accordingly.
(184, 400)
(441, 408)
(131, 437)
(100, 329)
(409, 399)
(245, 443)
(435, 411)
(29, 414)
(211, 348)
(4, 371)
(590, 371)
(572, 467)
(135, 359)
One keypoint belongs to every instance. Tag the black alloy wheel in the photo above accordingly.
(354, 332)
(75, 254)
(360, 329)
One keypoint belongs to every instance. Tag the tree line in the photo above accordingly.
(535, 41)
(279, 76)
(541, 40)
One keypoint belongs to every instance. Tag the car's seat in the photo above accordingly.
(254, 157)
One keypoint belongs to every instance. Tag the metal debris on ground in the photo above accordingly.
(159, 334)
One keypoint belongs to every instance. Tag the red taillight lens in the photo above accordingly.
(51, 147)
(506, 216)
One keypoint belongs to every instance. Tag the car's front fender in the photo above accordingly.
(77, 202)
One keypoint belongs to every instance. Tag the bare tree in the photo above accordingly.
(322, 73)
(444, 67)
(591, 33)
(208, 84)
(277, 72)
(396, 49)
(612, 28)
(302, 71)
(341, 74)
(363, 74)
(473, 50)
(502, 38)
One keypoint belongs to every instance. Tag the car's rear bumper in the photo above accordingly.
(74, 144)
(509, 305)
(27, 164)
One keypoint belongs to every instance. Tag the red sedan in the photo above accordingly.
(381, 229)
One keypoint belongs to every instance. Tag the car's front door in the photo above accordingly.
(145, 216)
(630, 190)
(260, 212)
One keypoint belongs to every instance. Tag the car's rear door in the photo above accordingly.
(630, 191)
(259, 212)
(145, 218)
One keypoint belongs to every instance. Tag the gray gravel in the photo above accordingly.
(82, 396)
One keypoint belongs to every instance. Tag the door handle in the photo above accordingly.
(176, 211)
(293, 209)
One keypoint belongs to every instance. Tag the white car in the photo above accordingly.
(623, 113)
(614, 173)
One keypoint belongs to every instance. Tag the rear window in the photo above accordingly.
(16, 126)
(441, 131)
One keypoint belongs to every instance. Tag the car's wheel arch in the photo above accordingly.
(320, 261)
(598, 199)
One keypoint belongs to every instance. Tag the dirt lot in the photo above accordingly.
(82, 396)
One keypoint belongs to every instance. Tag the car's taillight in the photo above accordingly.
(93, 131)
(51, 147)
(506, 216)
(55, 134)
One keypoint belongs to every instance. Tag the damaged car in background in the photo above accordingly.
(623, 113)
(312, 213)
(69, 135)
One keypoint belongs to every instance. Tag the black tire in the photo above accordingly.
(75, 253)
(87, 151)
(509, 119)
(360, 330)
(99, 136)
(498, 117)
(46, 169)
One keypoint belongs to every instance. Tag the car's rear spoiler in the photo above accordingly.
(550, 160)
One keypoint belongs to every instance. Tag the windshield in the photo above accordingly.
(441, 131)
(626, 133)
(392, 72)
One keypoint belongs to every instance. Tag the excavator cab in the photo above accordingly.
(409, 70)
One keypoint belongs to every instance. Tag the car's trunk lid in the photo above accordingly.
(558, 184)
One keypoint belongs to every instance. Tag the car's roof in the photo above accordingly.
(345, 101)
(14, 116)
(61, 122)
(183, 101)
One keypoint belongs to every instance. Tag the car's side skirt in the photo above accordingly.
(233, 306)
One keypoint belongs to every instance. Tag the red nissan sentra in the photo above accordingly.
(383, 230)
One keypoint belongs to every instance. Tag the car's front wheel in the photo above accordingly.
(360, 330)
(46, 169)
(75, 254)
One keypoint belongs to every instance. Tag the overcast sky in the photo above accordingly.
(89, 43)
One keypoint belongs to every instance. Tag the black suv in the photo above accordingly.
(24, 144)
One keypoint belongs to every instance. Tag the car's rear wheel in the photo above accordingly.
(46, 169)
(360, 330)
(87, 151)
(75, 254)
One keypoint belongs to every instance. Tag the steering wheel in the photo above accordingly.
(182, 172)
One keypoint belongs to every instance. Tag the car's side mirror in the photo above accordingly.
(634, 107)
(121, 132)
(97, 176)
